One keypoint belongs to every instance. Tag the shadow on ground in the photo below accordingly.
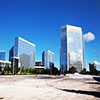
(49, 77)
(93, 93)
(93, 82)
(96, 78)
(43, 77)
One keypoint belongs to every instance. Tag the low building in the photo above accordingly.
(39, 65)
(4, 63)
(92, 68)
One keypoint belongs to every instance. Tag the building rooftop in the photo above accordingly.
(41, 67)
(49, 51)
(26, 41)
(2, 61)
(74, 28)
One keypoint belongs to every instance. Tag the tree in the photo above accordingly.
(22, 70)
(72, 70)
(59, 71)
(26, 70)
(11, 69)
(47, 71)
(83, 71)
(54, 71)
(33, 71)
(7, 69)
(18, 69)
(41, 71)
(0, 69)
(62, 69)
(30, 70)
(65, 71)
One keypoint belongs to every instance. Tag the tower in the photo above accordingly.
(72, 48)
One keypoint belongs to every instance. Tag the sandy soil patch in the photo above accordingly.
(70, 87)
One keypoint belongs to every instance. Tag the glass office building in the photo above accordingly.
(2, 55)
(72, 48)
(22, 54)
(48, 59)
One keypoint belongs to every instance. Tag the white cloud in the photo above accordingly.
(97, 63)
(89, 37)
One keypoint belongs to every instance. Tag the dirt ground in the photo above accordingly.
(69, 87)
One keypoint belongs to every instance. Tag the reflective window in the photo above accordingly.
(48, 58)
(2, 55)
(25, 51)
(71, 47)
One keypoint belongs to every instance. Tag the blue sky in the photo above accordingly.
(39, 22)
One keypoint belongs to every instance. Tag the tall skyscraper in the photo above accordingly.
(47, 59)
(22, 54)
(2, 55)
(72, 48)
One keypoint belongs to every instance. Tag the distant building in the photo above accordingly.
(2, 55)
(39, 65)
(4, 63)
(48, 59)
(22, 54)
(92, 68)
(72, 48)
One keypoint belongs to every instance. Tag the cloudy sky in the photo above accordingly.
(39, 22)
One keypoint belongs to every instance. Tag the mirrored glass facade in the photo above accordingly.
(48, 59)
(72, 48)
(24, 51)
(2, 55)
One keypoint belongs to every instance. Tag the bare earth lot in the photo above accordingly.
(70, 87)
